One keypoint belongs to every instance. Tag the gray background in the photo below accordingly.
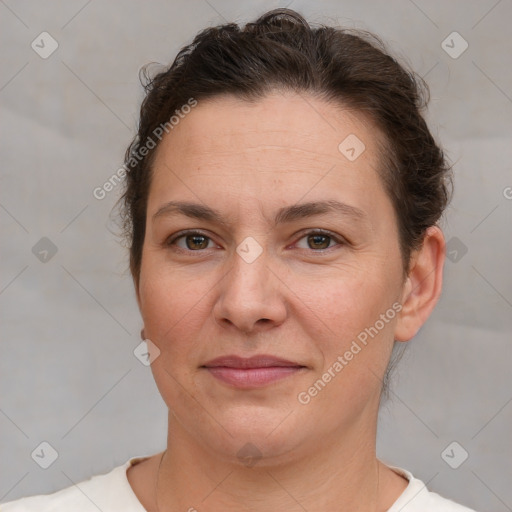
(70, 324)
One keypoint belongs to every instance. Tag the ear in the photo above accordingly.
(422, 286)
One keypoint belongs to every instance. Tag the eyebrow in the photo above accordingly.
(284, 215)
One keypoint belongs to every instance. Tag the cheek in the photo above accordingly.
(174, 305)
(353, 342)
(345, 300)
(342, 318)
(174, 310)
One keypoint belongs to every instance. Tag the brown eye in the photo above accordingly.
(191, 241)
(318, 241)
(196, 242)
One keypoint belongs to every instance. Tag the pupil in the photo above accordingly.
(317, 240)
(193, 241)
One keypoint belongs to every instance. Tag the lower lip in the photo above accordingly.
(252, 377)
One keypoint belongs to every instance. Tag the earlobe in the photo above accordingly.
(422, 287)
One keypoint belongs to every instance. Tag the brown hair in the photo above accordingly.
(281, 50)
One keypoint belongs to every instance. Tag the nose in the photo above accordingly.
(250, 296)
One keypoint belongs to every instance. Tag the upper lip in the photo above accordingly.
(257, 361)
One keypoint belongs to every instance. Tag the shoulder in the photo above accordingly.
(417, 498)
(101, 492)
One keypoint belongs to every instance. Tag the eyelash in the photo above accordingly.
(171, 241)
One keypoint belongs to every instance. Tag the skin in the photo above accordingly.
(303, 299)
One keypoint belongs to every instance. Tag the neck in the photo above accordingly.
(194, 477)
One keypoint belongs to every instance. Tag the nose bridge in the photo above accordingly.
(250, 292)
(249, 275)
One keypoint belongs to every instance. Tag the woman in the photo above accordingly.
(281, 207)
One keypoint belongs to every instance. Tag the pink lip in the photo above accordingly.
(251, 372)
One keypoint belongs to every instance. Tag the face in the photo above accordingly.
(263, 237)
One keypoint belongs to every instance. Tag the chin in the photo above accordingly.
(253, 436)
(257, 449)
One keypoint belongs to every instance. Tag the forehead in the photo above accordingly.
(280, 148)
(299, 122)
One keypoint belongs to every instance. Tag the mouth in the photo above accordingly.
(252, 372)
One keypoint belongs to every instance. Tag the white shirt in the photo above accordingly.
(112, 492)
